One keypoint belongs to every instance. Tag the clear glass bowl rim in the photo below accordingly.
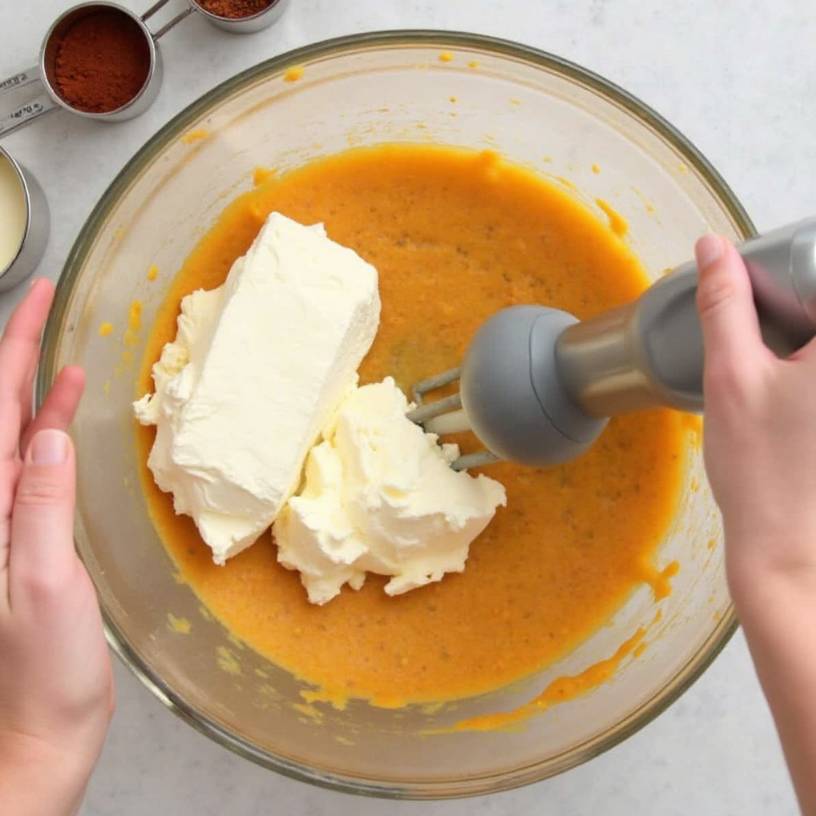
(443, 789)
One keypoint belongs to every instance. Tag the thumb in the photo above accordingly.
(42, 534)
(725, 303)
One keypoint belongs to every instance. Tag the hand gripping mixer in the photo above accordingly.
(537, 386)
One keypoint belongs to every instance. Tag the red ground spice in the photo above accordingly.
(234, 9)
(102, 62)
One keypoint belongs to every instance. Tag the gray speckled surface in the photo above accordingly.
(738, 78)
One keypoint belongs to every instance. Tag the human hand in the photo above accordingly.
(760, 432)
(56, 686)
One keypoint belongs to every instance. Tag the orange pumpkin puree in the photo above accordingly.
(455, 236)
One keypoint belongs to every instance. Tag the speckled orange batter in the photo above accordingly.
(455, 236)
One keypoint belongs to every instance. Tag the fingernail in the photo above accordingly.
(709, 249)
(48, 448)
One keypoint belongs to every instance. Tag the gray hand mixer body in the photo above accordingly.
(537, 386)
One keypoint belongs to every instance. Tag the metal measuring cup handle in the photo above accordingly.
(186, 12)
(28, 111)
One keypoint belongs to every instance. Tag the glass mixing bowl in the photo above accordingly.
(537, 110)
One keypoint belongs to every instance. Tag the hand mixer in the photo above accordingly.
(537, 386)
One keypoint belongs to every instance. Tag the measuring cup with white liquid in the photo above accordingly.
(24, 222)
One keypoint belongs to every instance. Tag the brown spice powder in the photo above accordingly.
(234, 9)
(102, 62)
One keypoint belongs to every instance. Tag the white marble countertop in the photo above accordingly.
(739, 79)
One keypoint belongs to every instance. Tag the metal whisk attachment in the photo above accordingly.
(446, 416)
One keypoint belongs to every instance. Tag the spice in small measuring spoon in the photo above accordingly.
(240, 16)
(234, 9)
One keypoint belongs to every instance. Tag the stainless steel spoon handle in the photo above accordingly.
(650, 352)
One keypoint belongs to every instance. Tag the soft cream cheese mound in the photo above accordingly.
(255, 372)
(380, 497)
